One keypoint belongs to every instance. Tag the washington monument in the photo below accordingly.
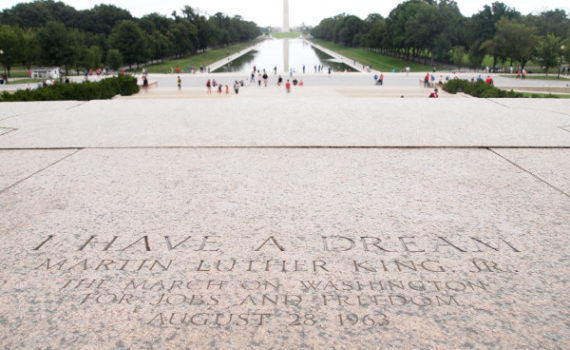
(285, 15)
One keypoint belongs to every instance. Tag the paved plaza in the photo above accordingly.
(339, 216)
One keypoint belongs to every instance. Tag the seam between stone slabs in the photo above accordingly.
(39, 171)
(79, 103)
(9, 130)
(529, 172)
(498, 103)
(487, 147)
(565, 128)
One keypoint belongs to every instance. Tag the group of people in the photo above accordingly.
(189, 69)
(379, 79)
(480, 79)
(213, 84)
(521, 74)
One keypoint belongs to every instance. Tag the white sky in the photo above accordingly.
(311, 12)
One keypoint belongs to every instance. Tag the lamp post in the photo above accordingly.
(562, 48)
(5, 72)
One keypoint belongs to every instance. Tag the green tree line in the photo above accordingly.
(52, 33)
(436, 31)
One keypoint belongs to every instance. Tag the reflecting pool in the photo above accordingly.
(285, 54)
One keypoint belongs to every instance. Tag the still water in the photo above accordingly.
(285, 54)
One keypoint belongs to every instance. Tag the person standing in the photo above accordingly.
(145, 82)
(179, 83)
(288, 86)
(265, 77)
(236, 87)
(209, 86)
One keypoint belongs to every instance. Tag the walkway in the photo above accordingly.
(351, 63)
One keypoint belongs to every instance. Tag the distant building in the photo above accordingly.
(45, 73)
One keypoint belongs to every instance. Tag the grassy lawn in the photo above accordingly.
(538, 77)
(202, 59)
(17, 73)
(285, 35)
(377, 61)
(25, 81)
(536, 95)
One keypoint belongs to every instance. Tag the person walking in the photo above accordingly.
(179, 83)
(145, 83)
(265, 77)
(288, 86)
(236, 87)
(209, 86)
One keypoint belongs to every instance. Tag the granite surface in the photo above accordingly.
(549, 165)
(286, 249)
(324, 219)
(16, 166)
(11, 109)
(294, 121)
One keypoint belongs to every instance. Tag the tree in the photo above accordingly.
(482, 26)
(114, 59)
(548, 52)
(458, 54)
(90, 57)
(512, 40)
(57, 45)
(551, 22)
(476, 55)
(29, 48)
(184, 37)
(10, 45)
(566, 50)
(103, 18)
(350, 27)
(129, 39)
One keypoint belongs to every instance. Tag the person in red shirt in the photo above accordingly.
(489, 80)
(288, 86)
(434, 94)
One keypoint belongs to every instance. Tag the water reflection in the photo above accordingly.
(284, 54)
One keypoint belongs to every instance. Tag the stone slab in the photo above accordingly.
(11, 109)
(297, 121)
(4, 131)
(453, 249)
(550, 165)
(16, 166)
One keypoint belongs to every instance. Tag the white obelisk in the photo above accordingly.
(285, 15)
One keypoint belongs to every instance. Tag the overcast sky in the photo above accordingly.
(310, 12)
